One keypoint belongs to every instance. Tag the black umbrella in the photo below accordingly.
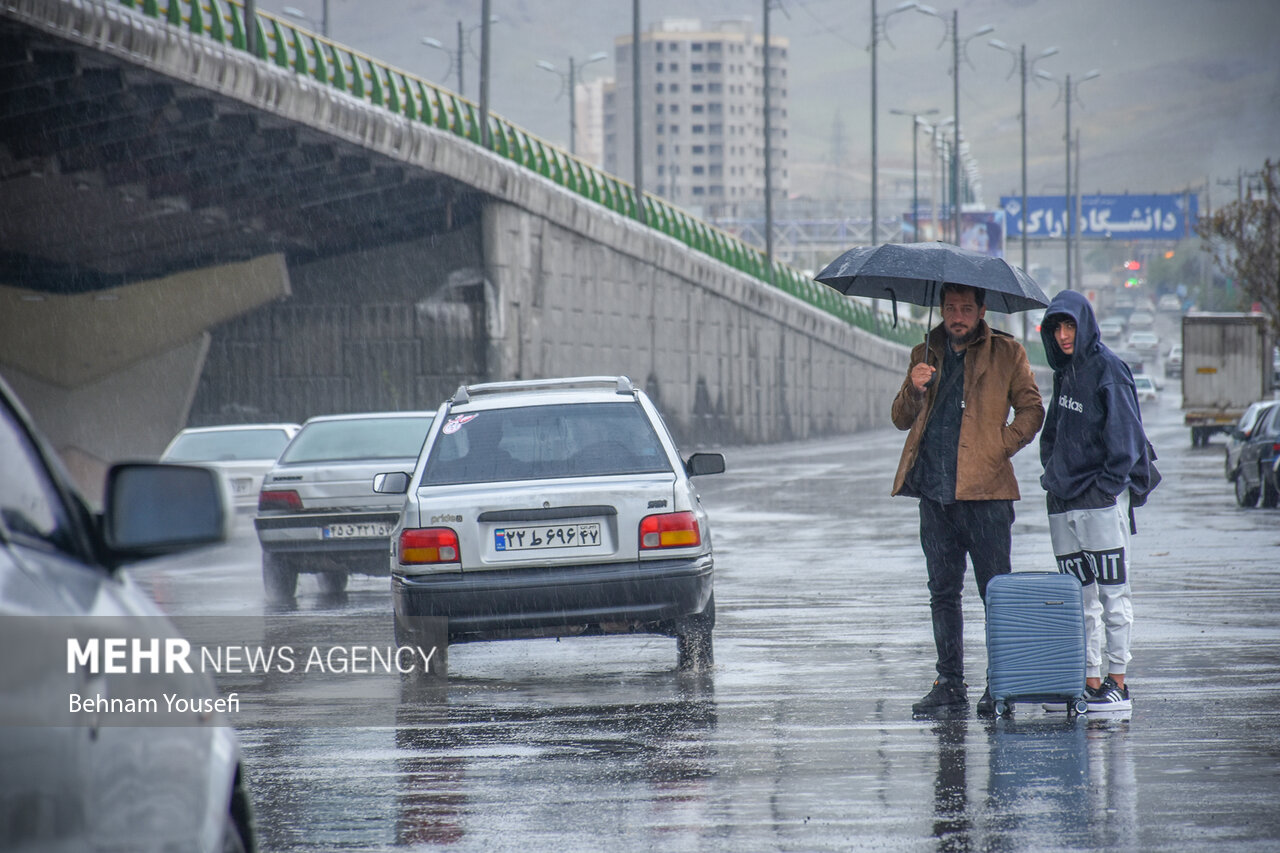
(915, 272)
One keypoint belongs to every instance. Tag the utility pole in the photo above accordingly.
(1070, 218)
(462, 87)
(637, 137)
(484, 73)
(768, 157)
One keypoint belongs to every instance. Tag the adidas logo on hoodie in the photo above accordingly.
(1068, 403)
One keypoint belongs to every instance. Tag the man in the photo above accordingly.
(957, 461)
(1092, 446)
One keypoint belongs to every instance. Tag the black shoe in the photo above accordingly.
(987, 706)
(942, 699)
(1110, 697)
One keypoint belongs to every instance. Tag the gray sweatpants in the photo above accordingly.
(1093, 545)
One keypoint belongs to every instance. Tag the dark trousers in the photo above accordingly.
(981, 529)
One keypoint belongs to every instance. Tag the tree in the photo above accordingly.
(1244, 239)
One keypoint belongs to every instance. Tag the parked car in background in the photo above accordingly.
(76, 771)
(1239, 434)
(1111, 329)
(1173, 362)
(552, 508)
(1148, 391)
(1169, 302)
(1145, 344)
(1258, 455)
(1132, 359)
(317, 511)
(1141, 321)
(241, 453)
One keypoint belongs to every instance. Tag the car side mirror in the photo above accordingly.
(704, 463)
(151, 509)
(393, 483)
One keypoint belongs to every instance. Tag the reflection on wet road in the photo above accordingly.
(801, 736)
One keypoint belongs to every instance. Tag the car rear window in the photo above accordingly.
(361, 438)
(227, 446)
(544, 442)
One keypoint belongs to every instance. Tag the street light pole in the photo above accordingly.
(916, 121)
(462, 88)
(878, 24)
(768, 155)
(1023, 70)
(637, 157)
(484, 73)
(571, 81)
(957, 47)
(1070, 198)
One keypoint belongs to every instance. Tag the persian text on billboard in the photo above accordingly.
(1124, 217)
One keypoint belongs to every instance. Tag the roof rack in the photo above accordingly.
(620, 384)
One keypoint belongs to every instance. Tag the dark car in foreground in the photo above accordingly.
(80, 767)
(1257, 455)
(552, 508)
(317, 511)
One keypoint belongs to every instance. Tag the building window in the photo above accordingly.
(658, 109)
(697, 108)
(658, 88)
(658, 67)
(675, 87)
(696, 88)
(699, 191)
(696, 47)
(696, 68)
(715, 88)
(697, 128)
(675, 66)
(699, 170)
(713, 67)
(697, 149)
(675, 108)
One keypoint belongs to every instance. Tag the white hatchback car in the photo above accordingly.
(242, 453)
(552, 508)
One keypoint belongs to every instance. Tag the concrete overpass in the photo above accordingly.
(191, 232)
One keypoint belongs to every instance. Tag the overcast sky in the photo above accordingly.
(1189, 90)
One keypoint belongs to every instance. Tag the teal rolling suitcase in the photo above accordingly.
(1035, 640)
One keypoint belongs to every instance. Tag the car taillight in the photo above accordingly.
(428, 545)
(670, 530)
(279, 499)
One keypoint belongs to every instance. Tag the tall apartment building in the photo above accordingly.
(589, 107)
(702, 115)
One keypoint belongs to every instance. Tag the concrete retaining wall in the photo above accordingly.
(728, 359)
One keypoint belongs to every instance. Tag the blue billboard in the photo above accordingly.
(1105, 217)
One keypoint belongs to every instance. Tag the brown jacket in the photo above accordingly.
(997, 378)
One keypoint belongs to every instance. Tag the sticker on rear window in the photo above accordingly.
(455, 424)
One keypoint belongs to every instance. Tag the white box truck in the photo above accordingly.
(1226, 365)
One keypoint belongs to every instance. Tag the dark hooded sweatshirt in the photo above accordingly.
(1092, 433)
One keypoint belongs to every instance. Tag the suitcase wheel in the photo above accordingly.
(1002, 708)
(1081, 706)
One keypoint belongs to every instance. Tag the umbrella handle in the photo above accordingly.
(927, 326)
(894, 297)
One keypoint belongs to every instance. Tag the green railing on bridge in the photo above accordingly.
(329, 63)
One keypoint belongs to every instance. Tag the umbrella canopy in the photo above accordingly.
(915, 272)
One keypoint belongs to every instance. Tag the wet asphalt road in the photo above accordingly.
(801, 736)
